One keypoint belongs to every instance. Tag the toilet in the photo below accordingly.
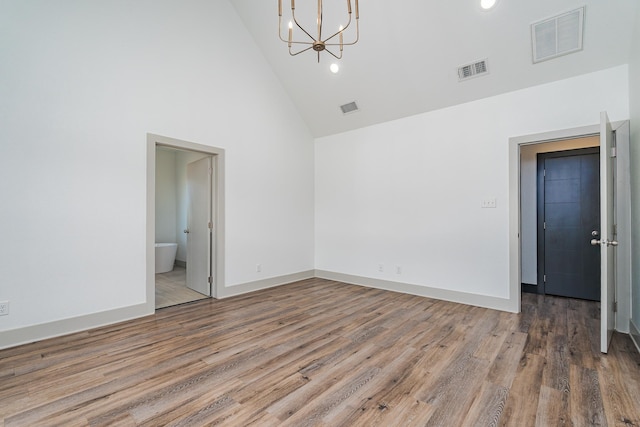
(165, 256)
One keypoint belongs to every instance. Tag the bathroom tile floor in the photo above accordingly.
(171, 289)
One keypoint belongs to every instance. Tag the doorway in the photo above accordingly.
(184, 218)
(568, 194)
(532, 274)
(185, 205)
(618, 155)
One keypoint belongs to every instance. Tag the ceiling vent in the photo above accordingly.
(476, 69)
(557, 36)
(351, 107)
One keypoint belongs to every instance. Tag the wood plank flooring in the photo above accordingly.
(322, 353)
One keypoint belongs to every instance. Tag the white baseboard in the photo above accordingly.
(495, 303)
(29, 334)
(230, 291)
(634, 333)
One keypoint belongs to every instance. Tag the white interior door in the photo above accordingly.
(199, 225)
(607, 237)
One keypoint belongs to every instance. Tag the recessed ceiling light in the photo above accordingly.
(487, 4)
(334, 68)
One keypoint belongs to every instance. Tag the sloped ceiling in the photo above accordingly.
(407, 58)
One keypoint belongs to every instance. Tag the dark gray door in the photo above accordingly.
(571, 213)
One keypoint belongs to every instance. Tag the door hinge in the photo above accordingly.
(210, 224)
(210, 171)
(613, 152)
(544, 225)
(615, 306)
(544, 278)
(210, 279)
(544, 172)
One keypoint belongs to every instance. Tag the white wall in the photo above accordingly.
(529, 202)
(407, 193)
(166, 196)
(634, 103)
(82, 84)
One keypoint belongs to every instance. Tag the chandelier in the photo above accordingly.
(317, 43)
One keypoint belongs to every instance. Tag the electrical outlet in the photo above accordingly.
(258, 268)
(4, 308)
(380, 268)
(489, 203)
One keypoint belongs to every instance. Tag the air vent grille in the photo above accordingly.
(557, 36)
(475, 69)
(351, 107)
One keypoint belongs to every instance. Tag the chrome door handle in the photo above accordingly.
(596, 242)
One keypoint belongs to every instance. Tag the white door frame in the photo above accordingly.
(515, 273)
(218, 155)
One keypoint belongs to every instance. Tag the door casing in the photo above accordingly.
(218, 255)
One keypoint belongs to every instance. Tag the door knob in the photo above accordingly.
(595, 233)
(596, 242)
(186, 231)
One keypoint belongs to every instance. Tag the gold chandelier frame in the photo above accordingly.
(318, 44)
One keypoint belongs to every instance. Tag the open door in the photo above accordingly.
(199, 225)
(607, 240)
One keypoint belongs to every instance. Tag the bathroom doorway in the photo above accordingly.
(187, 216)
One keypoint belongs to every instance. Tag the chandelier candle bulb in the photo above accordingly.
(279, 7)
(293, 4)
(349, 6)
(319, 19)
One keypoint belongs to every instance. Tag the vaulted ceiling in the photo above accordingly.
(409, 51)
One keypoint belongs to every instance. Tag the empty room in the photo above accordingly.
(319, 213)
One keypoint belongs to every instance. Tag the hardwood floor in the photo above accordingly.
(171, 289)
(323, 353)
